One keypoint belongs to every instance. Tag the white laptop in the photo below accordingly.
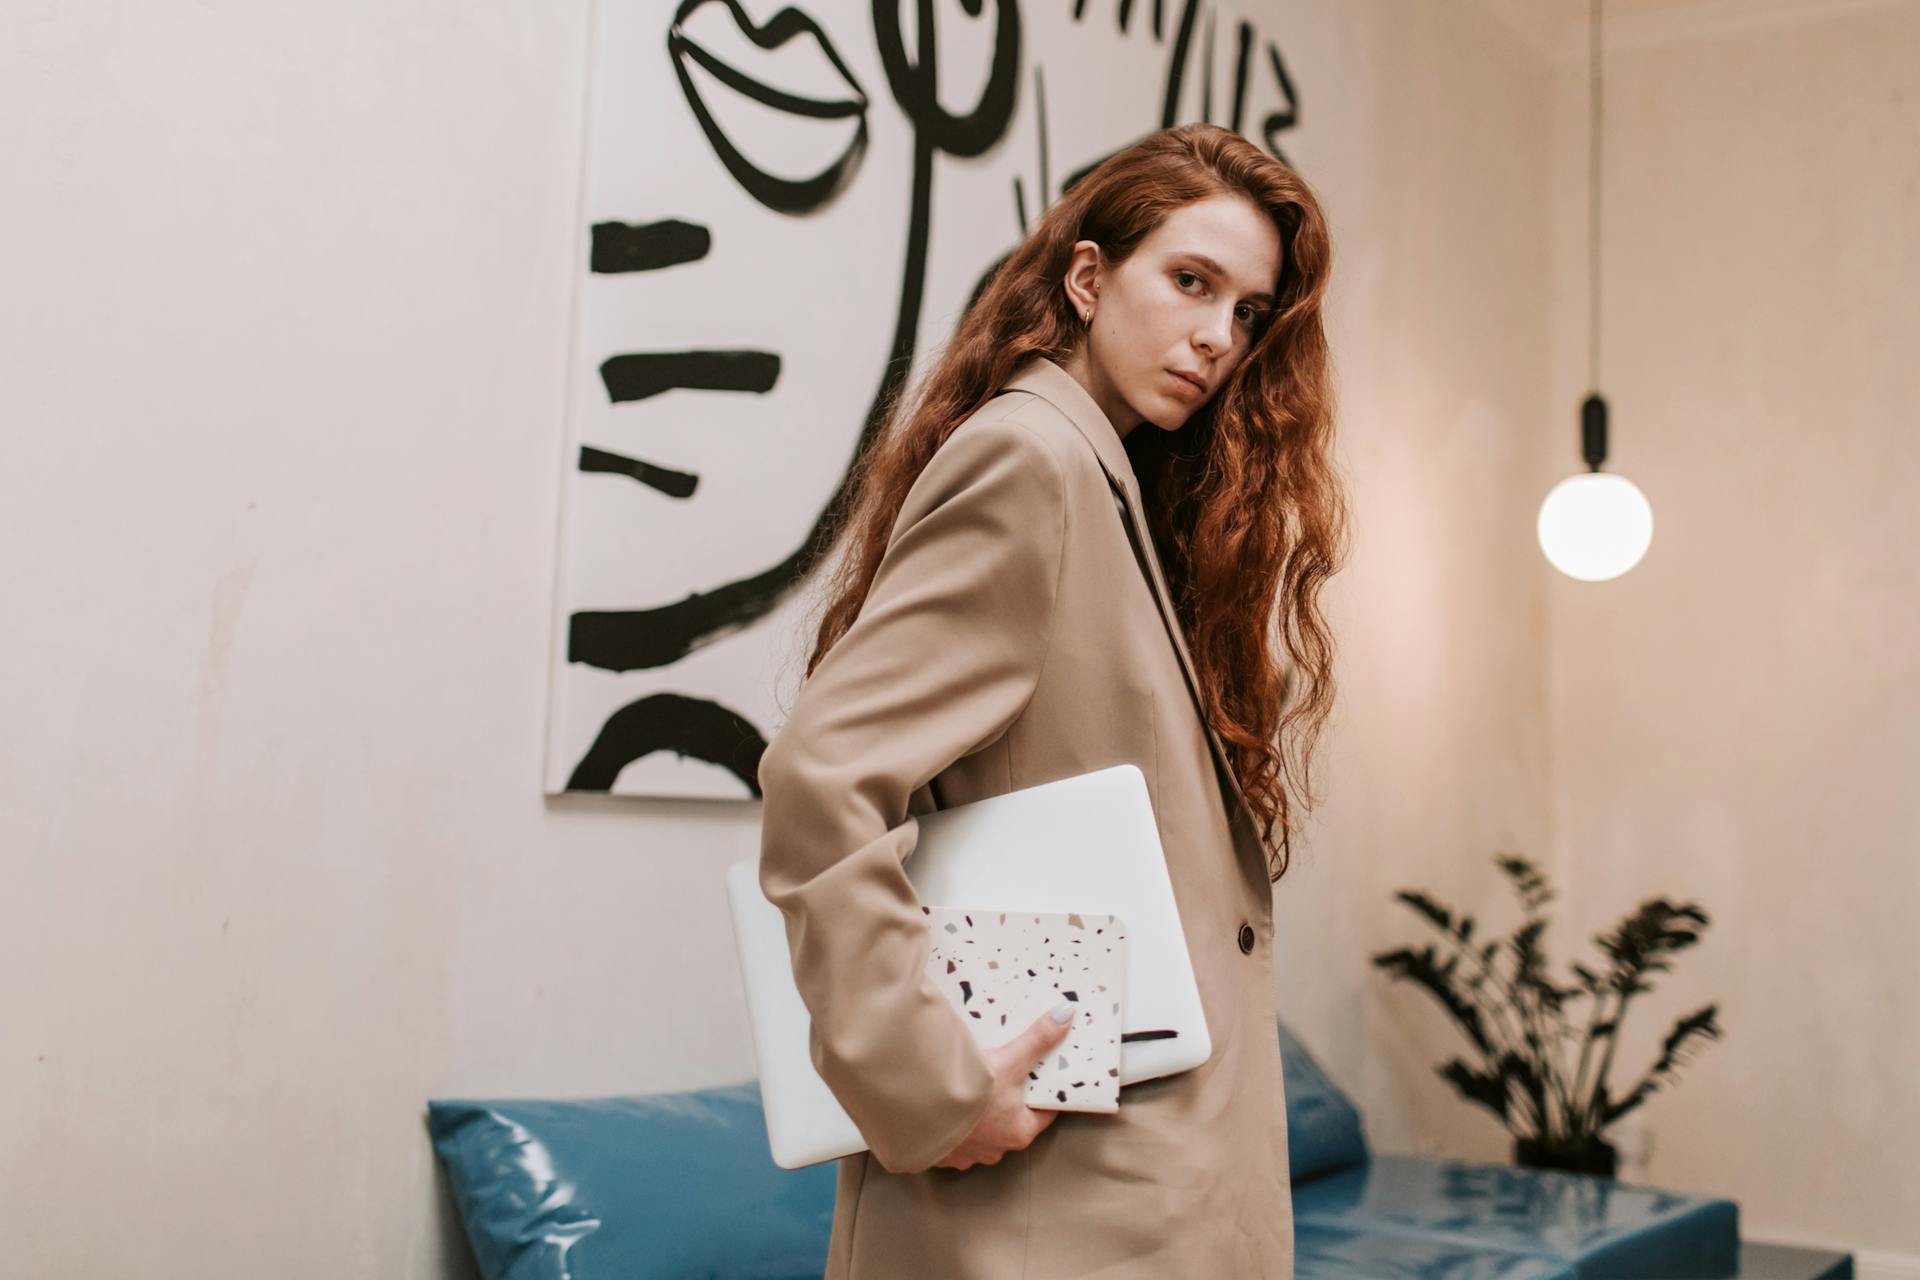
(1086, 843)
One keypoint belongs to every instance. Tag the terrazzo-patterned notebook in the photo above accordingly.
(1003, 969)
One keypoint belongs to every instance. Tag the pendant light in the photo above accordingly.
(1594, 525)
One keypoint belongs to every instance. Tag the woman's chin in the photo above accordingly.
(1161, 411)
(1171, 415)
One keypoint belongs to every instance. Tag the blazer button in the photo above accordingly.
(1246, 939)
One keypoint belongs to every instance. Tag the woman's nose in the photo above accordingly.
(1215, 333)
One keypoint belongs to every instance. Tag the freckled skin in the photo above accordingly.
(1162, 309)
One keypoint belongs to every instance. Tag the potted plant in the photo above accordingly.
(1522, 1023)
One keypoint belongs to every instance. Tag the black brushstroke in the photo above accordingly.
(1242, 70)
(675, 484)
(642, 374)
(638, 639)
(1206, 74)
(1177, 65)
(621, 246)
(1283, 119)
(916, 88)
(783, 195)
(1040, 119)
(1183, 49)
(694, 728)
(1131, 1036)
(626, 640)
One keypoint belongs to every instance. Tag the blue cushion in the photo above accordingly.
(1335, 1253)
(679, 1184)
(1606, 1230)
(683, 1184)
(1324, 1133)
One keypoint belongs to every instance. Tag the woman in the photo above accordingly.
(1148, 368)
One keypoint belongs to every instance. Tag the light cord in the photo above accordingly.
(1593, 211)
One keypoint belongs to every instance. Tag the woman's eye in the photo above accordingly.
(1248, 313)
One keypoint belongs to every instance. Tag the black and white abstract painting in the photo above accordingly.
(785, 208)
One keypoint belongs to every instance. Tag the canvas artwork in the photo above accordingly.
(784, 210)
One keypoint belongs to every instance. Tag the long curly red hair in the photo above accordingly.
(1245, 507)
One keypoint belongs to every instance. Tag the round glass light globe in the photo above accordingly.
(1595, 526)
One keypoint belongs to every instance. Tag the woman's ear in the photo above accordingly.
(1082, 281)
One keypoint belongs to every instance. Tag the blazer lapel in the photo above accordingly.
(1044, 378)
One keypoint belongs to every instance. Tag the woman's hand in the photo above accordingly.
(1009, 1123)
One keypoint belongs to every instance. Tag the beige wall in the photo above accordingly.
(1438, 754)
(279, 866)
(1737, 721)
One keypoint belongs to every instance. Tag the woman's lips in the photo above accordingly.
(813, 122)
(1186, 380)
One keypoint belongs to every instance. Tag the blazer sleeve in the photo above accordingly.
(942, 657)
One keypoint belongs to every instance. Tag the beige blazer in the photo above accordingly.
(1010, 638)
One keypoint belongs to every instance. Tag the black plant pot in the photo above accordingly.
(1596, 1157)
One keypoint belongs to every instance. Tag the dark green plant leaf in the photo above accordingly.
(1419, 967)
(1528, 880)
(1486, 1088)
(1515, 1068)
(1702, 1024)
(1437, 915)
(1531, 1004)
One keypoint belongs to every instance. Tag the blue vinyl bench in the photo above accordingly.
(683, 1185)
